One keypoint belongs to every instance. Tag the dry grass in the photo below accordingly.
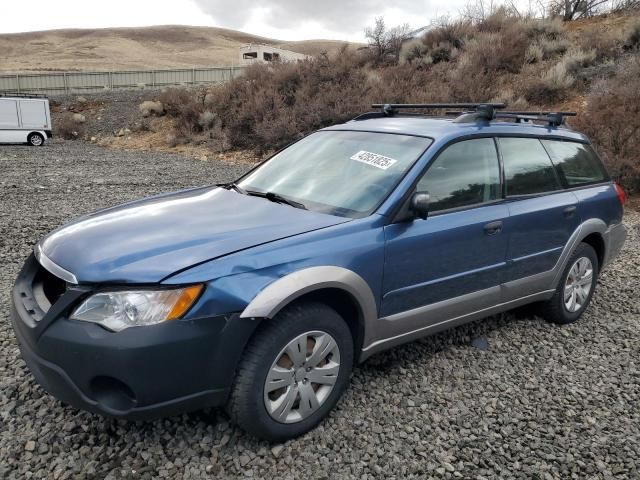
(136, 48)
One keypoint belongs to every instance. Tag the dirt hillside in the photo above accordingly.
(136, 48)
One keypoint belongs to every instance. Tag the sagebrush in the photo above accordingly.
(525, 62)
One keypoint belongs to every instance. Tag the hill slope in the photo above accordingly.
(136, 48)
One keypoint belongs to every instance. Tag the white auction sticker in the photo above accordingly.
(373, 159)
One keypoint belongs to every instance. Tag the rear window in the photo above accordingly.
(527, 167)
(577, 163)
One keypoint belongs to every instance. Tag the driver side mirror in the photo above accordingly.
(420, 205)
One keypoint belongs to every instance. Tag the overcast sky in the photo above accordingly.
(282, 19)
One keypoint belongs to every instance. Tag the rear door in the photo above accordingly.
(9, 114)
(460, 249)
(33, 114)
(542, 214)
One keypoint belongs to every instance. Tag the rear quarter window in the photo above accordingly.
(577, 163)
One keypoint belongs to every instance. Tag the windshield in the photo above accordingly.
(344, 173)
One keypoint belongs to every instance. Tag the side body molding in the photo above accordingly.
(286, 289)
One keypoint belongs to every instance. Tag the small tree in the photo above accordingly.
(573, 9)
(377, 37)
(395, 38)
(385, 42)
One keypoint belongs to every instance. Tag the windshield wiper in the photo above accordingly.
(233, 186)
(274, 197)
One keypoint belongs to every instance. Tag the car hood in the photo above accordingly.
(147, 240)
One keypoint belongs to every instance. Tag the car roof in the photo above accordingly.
(447, 129)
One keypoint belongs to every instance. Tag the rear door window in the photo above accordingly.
(576, 162)
(466, 173)
(527, 167)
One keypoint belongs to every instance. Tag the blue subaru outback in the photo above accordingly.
(262, 294)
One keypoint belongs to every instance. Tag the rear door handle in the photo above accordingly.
(569, 211)
(493, 227)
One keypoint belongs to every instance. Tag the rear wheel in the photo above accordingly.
(293, 372)
(35, 139)
(575, 289)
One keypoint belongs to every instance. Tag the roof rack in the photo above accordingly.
(470, 112)
(22, 95)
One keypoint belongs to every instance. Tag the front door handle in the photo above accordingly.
(493, 227)
(569, 211)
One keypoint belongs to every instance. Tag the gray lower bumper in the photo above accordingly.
(614, 239)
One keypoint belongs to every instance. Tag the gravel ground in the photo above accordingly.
(507, 397)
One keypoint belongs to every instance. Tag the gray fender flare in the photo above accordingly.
(593, 225)
(283, 291)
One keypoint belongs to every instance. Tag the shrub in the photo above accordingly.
(497, 21)
(498, 52)
(455, 33)
(412, 51)
(605, 44)
(632, 41)
(576, 58)
(206, 120)
(558, 77)
(534, 53)
(612, 120)
(149, 108)
(551, 87)
(512, 101)
(549, 28)
(554, 47)
(269, 106)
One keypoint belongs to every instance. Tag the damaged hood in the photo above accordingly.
(148, 240)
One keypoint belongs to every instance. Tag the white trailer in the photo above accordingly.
(25, 119)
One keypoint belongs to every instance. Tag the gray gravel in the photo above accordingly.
(529, 400)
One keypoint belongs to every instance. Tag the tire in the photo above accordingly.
(35, 140)
(555, 309)
(250, 400)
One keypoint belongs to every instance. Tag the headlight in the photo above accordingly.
(123, 309)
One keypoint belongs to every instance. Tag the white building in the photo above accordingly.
(259, 53)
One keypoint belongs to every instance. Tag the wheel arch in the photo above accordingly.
(342, 289)
(591, 231)
(596, 241)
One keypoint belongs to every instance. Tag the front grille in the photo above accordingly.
(48, 286)
(37, 289)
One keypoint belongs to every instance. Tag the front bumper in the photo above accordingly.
(139, 373)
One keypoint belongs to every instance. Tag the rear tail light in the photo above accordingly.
(620, 193)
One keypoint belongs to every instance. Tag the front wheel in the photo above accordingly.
(35, 140)
(576, 287)
(293, 372)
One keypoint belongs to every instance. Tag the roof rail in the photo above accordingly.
(486, 110)
(553, 119)
(22, 95)
(391, 108)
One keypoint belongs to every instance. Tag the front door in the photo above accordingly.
(457, 256)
